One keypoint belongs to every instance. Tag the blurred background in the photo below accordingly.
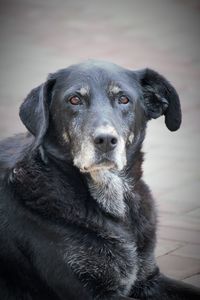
(40, 36)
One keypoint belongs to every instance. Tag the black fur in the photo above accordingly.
(56, 242)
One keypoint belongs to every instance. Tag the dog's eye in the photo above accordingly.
(74, 100)
(123, 100)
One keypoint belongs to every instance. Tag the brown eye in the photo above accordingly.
(123, 100)
(75, 100)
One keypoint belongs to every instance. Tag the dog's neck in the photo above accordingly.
(108, 189)
(111, 188)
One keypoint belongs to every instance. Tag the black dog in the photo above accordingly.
(76, 219)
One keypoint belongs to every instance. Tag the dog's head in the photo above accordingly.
(97, 111)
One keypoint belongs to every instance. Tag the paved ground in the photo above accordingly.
(40, 36)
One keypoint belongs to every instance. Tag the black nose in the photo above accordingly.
(105, 142)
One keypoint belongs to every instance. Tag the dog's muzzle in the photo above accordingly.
(103, 149)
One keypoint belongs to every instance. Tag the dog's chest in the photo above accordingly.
(107, 263)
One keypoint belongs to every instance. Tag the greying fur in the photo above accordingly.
(108, 189)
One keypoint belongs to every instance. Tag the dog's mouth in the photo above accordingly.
(103, 164)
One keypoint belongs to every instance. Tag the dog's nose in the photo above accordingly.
(105, 142)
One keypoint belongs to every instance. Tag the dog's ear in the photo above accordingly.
(34, 111)
(160, 98)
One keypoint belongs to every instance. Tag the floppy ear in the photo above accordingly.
(34, 111)
(160, 98)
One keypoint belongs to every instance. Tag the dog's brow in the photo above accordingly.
(114, 89)
(84, 91)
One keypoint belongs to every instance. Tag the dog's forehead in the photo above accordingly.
(98, 67)
(95, 73)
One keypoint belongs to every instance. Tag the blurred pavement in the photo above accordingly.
(40, 36)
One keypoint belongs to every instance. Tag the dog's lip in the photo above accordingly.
(103, 164)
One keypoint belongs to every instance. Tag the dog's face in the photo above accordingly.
(98, 110)
(96, 105)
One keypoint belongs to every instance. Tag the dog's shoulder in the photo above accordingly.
(49, 188)
(14, 149)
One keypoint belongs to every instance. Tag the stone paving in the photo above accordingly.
(41, 36)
